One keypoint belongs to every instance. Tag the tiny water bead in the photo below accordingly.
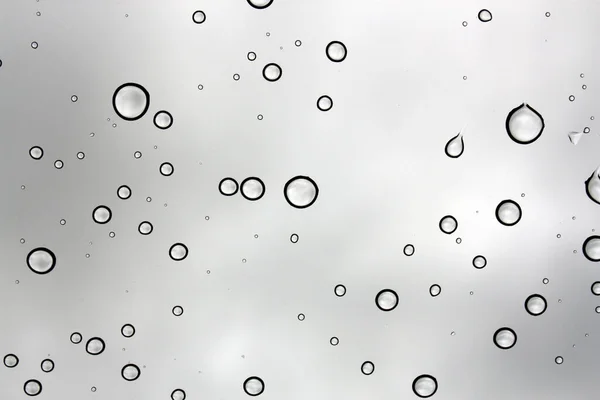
(259, 117)
(260, 4)
(111, 235)
(524, 124)
(301, 317)
(114, 125)
(505, 338)
(334, 341)
(479, 262)
(448, 224)
(484, 15)
(424, 386)
(324, 103)
(177, 311)
(409, 250)
(131, 101)
(95, 346)
(22, 187)
(198, 17)
(301, 192)
(452, 333)
(294, 238)
(272, 72)
(435, 290)
(178, 252)
(253, 386)
(163, 119)
(251, 56)
(130, 372)
(41, 260)
(386, 300)
(137, 154)
(298, 43)
(508, 212)
(178, 394)
(148, 199)
(535, 304)
(336, 51)
(47, 365)
(166, 169)
(75, 338)
(58, 164)
(586, 130)
(596, 288)
(74, 98)
(591, 248)
(236, 77)
(252, 188)
(465, 23)
(93, 389)
(547, 15)
(339, 290)
(571, 98)
(32, 387)
(124, 192)
(101, 214)
(127, 330)
(228, 186)
(464, 78)
(36, 152)
(584, 87)
(455, 146)
(81, 155)
(458, 240)
(34, 45)
(200, 87)
(592, 186)
(145, 228)
(545, 281)
(367, 368)
(11, 361)
(559, 360)
(597, 310)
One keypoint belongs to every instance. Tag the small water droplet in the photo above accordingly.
(584, 87)
(508, 212)
(200, 87)
(228, 186)
(464, 77)
(458, 240)
(479, 262)
(558, 236)
(130, 372)
(545, 281)
(591, 248)
(111, 234)
(294, 238)
(448, 224)
(47, 365)
(163, 119)
(471, 293)
(63, 221)
(32, 387)
(465, 23)
(145, 228)
(339, 290)
(254, 386)
(571, 98)
(179, 394)
(127, 330)
(207, 218)
(101, 214)
(74, 98)
(41, 260)
(93, 389)
(547, 14)
(334, 341)
(435, 290)
(38, 13)
(484, 15)
(130, 101)
(166, 169)
(243, 260)
(535, 304)
(559, 360)
(95, 346)
(268, 34)
(586, 130)
(92, 134)
(336, 51)
(252, 188)
(424, 386)
(11, 361)
(301, 317)
(208, 272)
(596, 288)
(592, 186)
(236, 77)
(137, 154)
(148, 199)
(177, 311)
(17, 282)
(198, 17)
(75, 338)
(409, 250)
(272, 72)
(22, 187)
(298, 43)
(524, 124)
(505, 338)
(560, 300)
(324, 103)
(36, 152)
(255, 236)
(124, 192)
(251, 56)
(386, 300)
(81, 155)
(367, 368)
(22, 240)
(259, 117)
(34, 45)
(301, 192)
(58, 164)
(178, 252)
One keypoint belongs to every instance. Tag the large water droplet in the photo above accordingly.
(198, 17)
(131, 101)
(127, 330)
(524, 125)
(95, 346)
(435, 290)
(178, 252)
(163, 119)
(32, 387)
(336, 51)
(367, 368)
(252, 188)
(272, 72)
(505, 338)
(124, 192)
(324, 103)
(178, 394)
(260, 4)
(339, 290)
(41, 260)
(177, 311)
(75, 338)
(574, 137)
(508, 212)
(145, 228)
(386, 300)
(591, 248)
(254, 386)
(448, 224)
(301, 192)
(47, 365)
(592, 186)
(425, 386)
(479, 262)
(166, 169)
(11, 361)
(596, 288)
(535, 304)
(130, 372)
(228, 186)
(36, 152)
(559, 360)
(455, 146)
(101, 214)
(484, 15)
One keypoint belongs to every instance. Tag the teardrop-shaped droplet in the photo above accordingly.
(524, 125)
(455, 146)
(592, 186)
(574, 137)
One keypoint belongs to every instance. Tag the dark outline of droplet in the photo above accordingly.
(331, 44)
(181, 390)
(124, 186)
(166, 163)
(325, 97)
(186, 252)
(259, 181)
(462, 143)
(407, 246)
(260, 7)
(237, 186)
(292, 238)
(95, 338)
(52, 255)
(109, 214)
(592, 288)
(532, 296)
(132, 327)
(264, 74)
(140, 228)
(335, 290)
(414, 384)
(201, 12)
(333, 338)
(8, 355)
(484, 262)
(505, 202)
(62, 164)
(248, 56)
(159, 112)
(384, 291)
(587, 190)
(482, 11)
(363, 365)
(431, 287)
(585, 243)
(455, 221)
(173, 311)
(301, 177)
(76, 333)
(36, 147)
(137, 85)
(248, 380)
(514, 110)
(505, 328)
(134, 366)
(42, 365)
(32, 380)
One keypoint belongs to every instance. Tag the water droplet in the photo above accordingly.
(63, 221)
(131, 101)
(41, 260)
(547, 14)
(101, 215)
(178, 394)
(386, 300)
(272, 72)
(47, 365)
(252, 188)
(200, 87)
(74, 98)
(596, 288)
(545, 281)
(587, 335)
(479, 262)
(124, 192)
(87, 255)
(339, 290)
(574, 137)
(535, 304)
(145, 228)
(471, 293)
(36, 153)
(178, 252)
(435, 290)
(598, 309)
(324, 103)
(163, 119)
(458, 240)
(17, 281)
(22, 187)
(508, 212)
(32, 387)
(243, 260)
(334, 341)
(522, 194)
(424, 386)
(465, 23)
(592, 186)
(198, 17)
(148, 199)
(559, 360)
(207, 218)
(298, 43)
(111, 235)
(505, 338)
(592, 118)
(448, 224)
(367, 368)
(228, 186)
(177, 311)
(336, 51)
(58, 164)
(268, 34)
(11, 360)
(93, 389)
(591, 248)
(464, 77)
(301, 192)
(251, 56)
(294, 238)
(81, 155)
(38, 13)
(255, 236)
(484, 15)
(95, 346)
(586, 130)
(166, 169)
(137, 154)
(409, 250)
(75, 338)
(571, 98)
(130, 372)
(236, 77)
(34, 45)
(584, 87)
(524, 124)
(127, 330)
(301, 317)
(22, 240)
(260, 4)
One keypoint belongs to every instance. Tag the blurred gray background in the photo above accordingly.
(378, 159)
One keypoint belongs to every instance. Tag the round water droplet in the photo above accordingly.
(479, 262)
(200, 87)
(81, 155)
(148, 199)
(260, 4)
(228, 186)
(294, 238)
(272, 72)
(505, 338)
(598, 309)
(571, 98)
(22, 240)
(251, 56)
(465, 23)
(198, 17)
(177, 311)
(252, 188)
(324, 103)
(127, 330)
(11, 361)
(545, 281)
(586, 130)
(166, 169)
(38, 13)
(58, 164)
(22, 187)
(596, 288)
(163, 119)
(178, 394)
(254, 386)
(334, 341)
(301, 192)
(36, 153)
(484, 15)
(584, 87)
(114, 125)
(32, 387)
(448, 224)
(259, 117)
(47, 365)
(367, 368)
(145, 228)
(424, 386)
(298, 43)
(336, 51)
(301, 317)
(458, 240)
(236, 77)
(124, 192)
(559, 360)
(95, 346)
(101, 215)
(130, 372)
(409, 250)
(74, 98)
(93, 389)
(592, 186)
(41, 260)
(75, 338)
(435, 290)
(455, 146)
(339, 290)
(464, 78)
(131, 101)
(535, 304)
(508, 212)
(386, 300)
(34, 45)
(524, 124)
(591, 248)
(547, 14)
(178, 252)
(137, 154)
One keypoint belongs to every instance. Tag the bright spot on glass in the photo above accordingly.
(324, 103)
(163, 119)
(260, 4)
(75, 338)
(130, 372)
(336, 51)
(177, 311)
(254, 386)
(131, 101)
(95, 346)
(591, 248)
(505, 338)
(41, 260)
(435, 290)
(127, 330)
(178, 394)
(252, 188)
(508, 212)
(424, 386)
(448, 224)
(484, 15)
(145, 228)
(36, 152)
(524, 124)
(228, 186)
(178, 252)
(367, 368)
(386, 300)
(11, 361)
(301, 192)
(101, 215)
(198, 17)
(339, 290)
(166, 169)
(455, 146)
(535, 304)
(32, 387)
(272, 72)
(123, 192)
(47, 365)
(409, 250)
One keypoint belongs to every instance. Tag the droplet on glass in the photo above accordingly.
(131, 101)
(584, 87)
(535, 304)
(547, 14)
(177, 311)
(574, 137)
(166, 169)
(47, 365)
(178, 252)
(458, 240)
(559, 360)
(586, 130)
(41, 260)
(163, 119)
(148, 199)
(254, 386)
(95, 346)
(34, 45)
(448, 224)
(524, 124)
(435, 290)
(236, 77)
(198, 17)
(200, 87)
(130, 372)
(367, 368)
(75, 338)
(228, 186)
(386, 300)
(545, 281)
(484, 15)
(301, 192)
(465, 23)
(260, 4)
(298, 43)
(336, 51)
(32, 387)
(58, 164)
(11, 361)
(93, 389)
(252, 188)
(508, 212)
(324, 103)
(591, 248)
(251, 56)
(36, 152)
(74, 98)
(294, 238)
(145, 228)
(272, 72)
(596, 288)
(301, 317)
(339, 290)
(259, 117)
(137, 154)
(127, 330)
(101, 215)
(571, 98)
(592, 186)
(124, 192)
(479, 262)
(409, 250)
(505, 338)
(424, 386)
(178, 394)
(334, 341)
(81, 155)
